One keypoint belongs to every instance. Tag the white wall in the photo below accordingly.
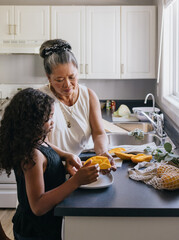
(27, 70)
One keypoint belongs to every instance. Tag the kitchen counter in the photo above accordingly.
(125, 197)
(126, 210)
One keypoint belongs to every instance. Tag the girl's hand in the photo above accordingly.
(113, 164)
(87, 174)
(73, 163)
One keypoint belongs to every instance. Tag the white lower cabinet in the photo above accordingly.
(123, 228)
(8, 191)
(8, 195)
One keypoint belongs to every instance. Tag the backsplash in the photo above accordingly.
(8, 90)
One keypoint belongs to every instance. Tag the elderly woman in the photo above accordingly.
(77, 113)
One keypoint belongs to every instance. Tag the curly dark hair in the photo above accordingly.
(21, 128)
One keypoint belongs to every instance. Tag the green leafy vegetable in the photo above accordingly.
(137, 133)
(165, 154)
(168, 147)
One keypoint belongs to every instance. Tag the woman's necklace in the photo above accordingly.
(71, 112)
(62, 107)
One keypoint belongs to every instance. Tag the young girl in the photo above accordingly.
(38, 167)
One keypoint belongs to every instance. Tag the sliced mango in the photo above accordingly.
(104, 166)
(101, 160)
(117, 150)
(141, 158)
(124, 156)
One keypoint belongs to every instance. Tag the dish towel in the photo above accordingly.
(137, 148)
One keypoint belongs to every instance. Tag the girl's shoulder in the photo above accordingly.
(39, 161)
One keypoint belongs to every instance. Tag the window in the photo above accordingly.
(171, 53)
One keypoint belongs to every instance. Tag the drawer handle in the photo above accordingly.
(10, 28)
(15, 29)
(86, 68)
(81, 68)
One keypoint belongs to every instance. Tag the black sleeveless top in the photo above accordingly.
(25, 222)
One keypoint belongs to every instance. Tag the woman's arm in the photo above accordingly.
(97, 129)
(40, 201)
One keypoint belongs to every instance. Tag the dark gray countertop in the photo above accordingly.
(125, 197)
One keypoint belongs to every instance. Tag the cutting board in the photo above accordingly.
(110, 127)
(131, 118)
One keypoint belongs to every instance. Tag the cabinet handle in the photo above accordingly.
(122, 68)
(10, 26)
(86, 68)
(81, 68)
(15, 29)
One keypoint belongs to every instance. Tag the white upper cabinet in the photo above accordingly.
(24, 22)
(103, 42)
(68, 23)
(94, 34)
(6, 22)
(32, 22)
(109, 42)
(138, 36)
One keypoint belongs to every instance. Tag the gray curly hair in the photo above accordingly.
(56, 52)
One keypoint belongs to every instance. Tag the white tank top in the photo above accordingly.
(76, 138)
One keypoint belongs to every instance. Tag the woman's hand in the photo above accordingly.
(87, 174)
(73, 163)
(113, 164)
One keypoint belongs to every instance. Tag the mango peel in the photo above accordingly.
(101, 160)
(134, 158)
(141, 158)
(124, 156)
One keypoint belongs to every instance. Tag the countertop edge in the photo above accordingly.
(115, 212)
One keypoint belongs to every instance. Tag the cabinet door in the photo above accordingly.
(68, 23)
(138, 42)
(7, 22)
(103, 42)
(32, 23)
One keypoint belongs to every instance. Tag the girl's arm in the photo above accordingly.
(40, 201)
(73, 162)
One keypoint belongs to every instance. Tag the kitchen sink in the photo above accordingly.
(130, 126)
(116, 139)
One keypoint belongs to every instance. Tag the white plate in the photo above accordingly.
(102, 182)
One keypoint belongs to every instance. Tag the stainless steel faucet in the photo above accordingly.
(153, 100)
(157, 120)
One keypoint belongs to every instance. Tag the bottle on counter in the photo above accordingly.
(113, 106)
(108, 104)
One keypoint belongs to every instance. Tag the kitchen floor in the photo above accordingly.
(6, 216)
